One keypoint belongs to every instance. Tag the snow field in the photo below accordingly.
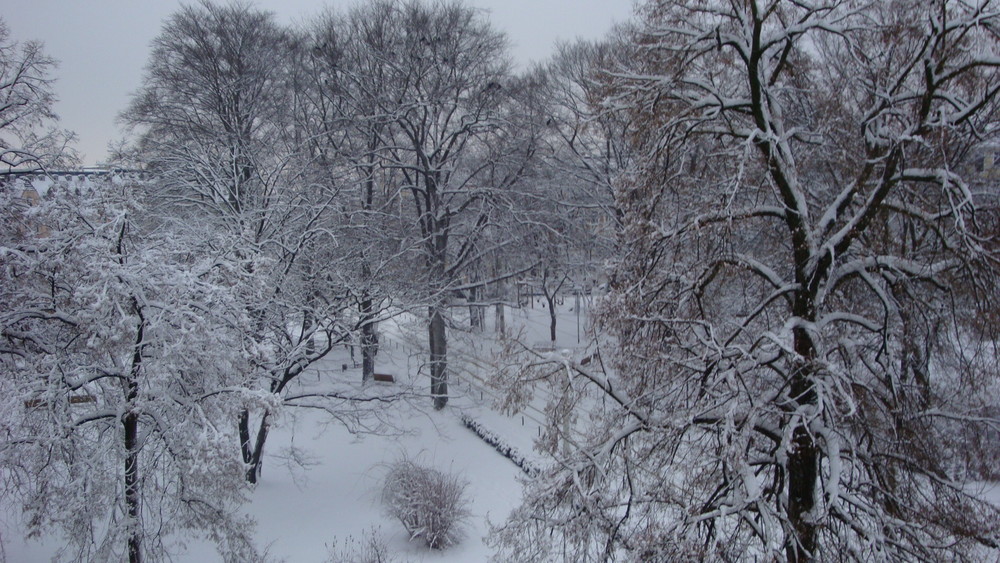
(320, 485)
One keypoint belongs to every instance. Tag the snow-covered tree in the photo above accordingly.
(347, 134)
(590, 147)
(124, 364)
(566, 213)
(215, 121)
(212, 110)
(435, 77)
(801, 256)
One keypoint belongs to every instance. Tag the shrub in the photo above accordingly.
(431, 504)
(370, 548)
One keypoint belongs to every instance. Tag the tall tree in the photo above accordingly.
(212, 109)
(567, 212)
(590, 149)
(348, 135)
(215, 125)
(799, 221)
(437, 74)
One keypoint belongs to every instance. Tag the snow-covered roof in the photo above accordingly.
(84, 179)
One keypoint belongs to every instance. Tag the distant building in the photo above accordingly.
(984, 164)
(30, 187)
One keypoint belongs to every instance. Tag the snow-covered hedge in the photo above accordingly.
(498, 443)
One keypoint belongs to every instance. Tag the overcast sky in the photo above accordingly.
(102, 45)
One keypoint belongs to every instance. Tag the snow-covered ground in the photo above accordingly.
(303, 512)
(320, 486)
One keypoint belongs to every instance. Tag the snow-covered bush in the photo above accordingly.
(498, 444)
(369, 548)
(431, 504)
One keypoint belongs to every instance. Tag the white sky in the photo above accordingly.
(102, 45)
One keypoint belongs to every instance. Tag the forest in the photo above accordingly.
(786, 215)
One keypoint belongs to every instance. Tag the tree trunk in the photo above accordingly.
(369, 349)
(130, 424)
(308, 314)
(307, 325)
(802, 465)
(369, 340)
(915, 356)
(550, 292)
(244, 426)
(475, 310)
(803, 459)
(366, 309)
(551, 300)
(253, 455)
(130, 421)
(501, 323)
(257, 459)
(439, 358)
(500, 326)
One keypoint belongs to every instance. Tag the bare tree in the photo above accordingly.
(590, 148)
(566, 212)
(29, 136)
(792, 295)
(437, 75)
(348, 136)
(211, 108)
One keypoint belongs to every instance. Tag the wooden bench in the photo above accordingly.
(73, 400)
(383, 377)
(544, 346)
